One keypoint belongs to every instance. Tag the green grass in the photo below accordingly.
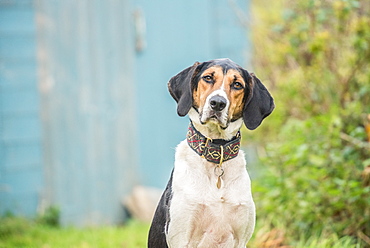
(265, 237)
(332, 241)
(18, 232)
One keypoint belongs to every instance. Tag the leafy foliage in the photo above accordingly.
(50, 217)
(314, 56)
(12, 226)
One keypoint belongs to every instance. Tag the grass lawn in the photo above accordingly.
(18, 232)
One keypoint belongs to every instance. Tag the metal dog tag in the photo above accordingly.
(218, 182)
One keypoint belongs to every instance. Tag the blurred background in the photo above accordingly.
(85, 115)
(85, 110)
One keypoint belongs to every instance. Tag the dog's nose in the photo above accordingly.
(217, 103)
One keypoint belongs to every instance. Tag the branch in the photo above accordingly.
(364, 237)
(354, 141)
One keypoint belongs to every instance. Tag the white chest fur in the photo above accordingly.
(201, 215)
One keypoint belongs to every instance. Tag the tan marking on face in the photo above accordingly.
(225, 82)
(205, 89)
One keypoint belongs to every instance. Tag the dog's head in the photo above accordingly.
(221, 92)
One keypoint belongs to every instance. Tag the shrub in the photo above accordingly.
(314, 56)
(314, 181)
(11, 226)
(50, 217)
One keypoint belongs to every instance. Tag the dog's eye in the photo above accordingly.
(237, 85)
(208, 79)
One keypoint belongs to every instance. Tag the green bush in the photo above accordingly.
(313, 182)
(50, 217)
(12, 226)
(314, 57)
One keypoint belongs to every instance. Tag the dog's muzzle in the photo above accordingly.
(215, 110)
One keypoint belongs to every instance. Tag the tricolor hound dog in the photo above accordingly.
(208, 200)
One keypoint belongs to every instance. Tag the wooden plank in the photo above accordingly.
(188, 31)
(21, 174)
(88, 107)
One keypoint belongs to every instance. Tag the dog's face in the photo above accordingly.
(221, 92)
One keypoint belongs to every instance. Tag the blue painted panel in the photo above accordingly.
(22, 129)
(20, 189)
(26, 156)
(17, 74)
(20, 101)
(231, 33)
(14, 47)
(23, 182)
(88, 108)
(11, 203)
(17, 20)
(21, 174)
(186, 32)
(88, 83)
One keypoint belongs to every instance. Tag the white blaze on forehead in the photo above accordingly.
(219, 92)
(224, 81)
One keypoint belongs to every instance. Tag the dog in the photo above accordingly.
(208, 200)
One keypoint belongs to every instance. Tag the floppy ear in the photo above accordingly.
(259, 106)
(181, 90)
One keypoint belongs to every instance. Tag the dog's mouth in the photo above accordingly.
(215, 118)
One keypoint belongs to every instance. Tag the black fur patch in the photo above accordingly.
(161, 220)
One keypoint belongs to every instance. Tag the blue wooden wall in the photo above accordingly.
(178, 33)
(85, 113)
(21, 167)
(86, 64)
